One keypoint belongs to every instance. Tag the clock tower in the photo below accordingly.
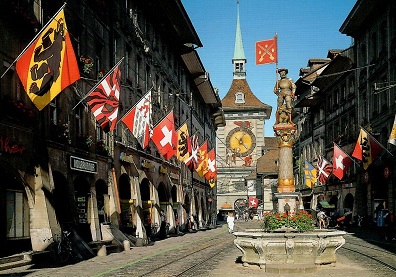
(241, 142)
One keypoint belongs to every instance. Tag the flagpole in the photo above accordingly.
(97, 84)
(276, 68)
(376, 141)
(34, 39)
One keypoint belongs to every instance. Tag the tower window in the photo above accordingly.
(239, 98)
(239, 67)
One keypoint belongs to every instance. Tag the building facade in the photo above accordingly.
(353, 90)
(61, 170)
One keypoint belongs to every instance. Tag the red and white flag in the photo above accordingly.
(211, 175)
(165, 136)
(138, 120)
(341, 162)
(253, 202)
(366, 149)
(103, 99)
(193, 146)
(324, 169)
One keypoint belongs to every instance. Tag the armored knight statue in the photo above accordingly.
(284, 89)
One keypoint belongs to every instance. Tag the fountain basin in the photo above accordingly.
(289, 250)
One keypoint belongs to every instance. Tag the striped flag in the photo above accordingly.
(324, 169)
(49, 64)
(103, 99)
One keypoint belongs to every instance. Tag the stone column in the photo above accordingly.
(286, 196)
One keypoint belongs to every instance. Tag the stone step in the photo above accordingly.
(290, 268)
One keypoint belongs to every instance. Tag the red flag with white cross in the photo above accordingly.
(165, 136)
(253, 202)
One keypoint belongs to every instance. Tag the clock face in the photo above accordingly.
(242, 141)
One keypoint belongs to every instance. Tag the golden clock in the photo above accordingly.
(241, 141)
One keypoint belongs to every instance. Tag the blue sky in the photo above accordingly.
(306, 29)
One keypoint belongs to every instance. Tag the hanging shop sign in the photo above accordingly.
(124, 157)
(83, 165)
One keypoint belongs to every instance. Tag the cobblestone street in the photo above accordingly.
(212, 253)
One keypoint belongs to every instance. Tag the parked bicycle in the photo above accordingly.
(62, 250)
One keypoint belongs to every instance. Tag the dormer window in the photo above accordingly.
(239, 98)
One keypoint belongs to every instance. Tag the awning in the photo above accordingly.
(326, 205)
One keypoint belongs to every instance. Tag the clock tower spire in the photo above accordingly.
(239, 59)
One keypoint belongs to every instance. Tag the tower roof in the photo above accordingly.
(239, 53)
(251, 102)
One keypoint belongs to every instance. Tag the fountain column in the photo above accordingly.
(286, 133)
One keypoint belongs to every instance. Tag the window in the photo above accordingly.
(239, 98)
(78, 110)
(373, 47)
(53, 112)
(239, 67)
(17, 215)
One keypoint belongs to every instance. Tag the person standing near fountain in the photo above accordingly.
(230, 222)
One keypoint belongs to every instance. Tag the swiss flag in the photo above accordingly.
(212, 169)
(165, 136)
(253, 202)
(341, 162)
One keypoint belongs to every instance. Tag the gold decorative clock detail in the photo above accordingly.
(241, 141)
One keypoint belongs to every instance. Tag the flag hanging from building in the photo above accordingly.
(182, 153)
(253, 202)
(324, 169)
(266, 51)
(103, 99)
(366, 149)
(310, 174)
(49, 64)
(138, 120)
(211, 175)
(392, 137)
(192, 160)
(341, 162)
(165, 137)
(202, 166)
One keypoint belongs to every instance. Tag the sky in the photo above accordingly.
(306, 29)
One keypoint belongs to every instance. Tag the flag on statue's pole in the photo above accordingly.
(266, 51)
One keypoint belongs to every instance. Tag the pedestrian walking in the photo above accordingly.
(321, 219)
(230, 222)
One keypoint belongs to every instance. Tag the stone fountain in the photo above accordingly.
(287, 251)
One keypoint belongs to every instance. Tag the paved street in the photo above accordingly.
(212, 253)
